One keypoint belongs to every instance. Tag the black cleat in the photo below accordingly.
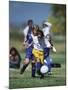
(49, 73)
(21, 72)
(42, 77)
(33, 76)
(56, 65)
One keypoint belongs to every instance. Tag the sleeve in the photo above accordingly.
(25, 31)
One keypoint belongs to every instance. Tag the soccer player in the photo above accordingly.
(47, 38)
(38, 49)
(28, 44)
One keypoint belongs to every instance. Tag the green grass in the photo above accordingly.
(58, 77)
(26, 81)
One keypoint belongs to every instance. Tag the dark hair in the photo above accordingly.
(36, 27)
(16, 52)
(30, 21)
(42, 35)
(13, 49)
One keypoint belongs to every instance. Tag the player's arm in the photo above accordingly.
(27, 45)
(53, 47)
(30, 44)
(51, 42)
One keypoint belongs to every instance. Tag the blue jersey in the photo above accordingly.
(29, 37)
(30, 30)
(29, 49)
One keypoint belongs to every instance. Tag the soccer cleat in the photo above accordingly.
(56, 65)
(49, 73)
(33, 76)
(21, 71)
(42, 76)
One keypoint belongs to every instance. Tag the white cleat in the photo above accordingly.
(49, 73)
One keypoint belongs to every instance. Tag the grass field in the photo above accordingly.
(57, 78)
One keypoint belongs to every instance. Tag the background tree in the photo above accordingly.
(58, 19)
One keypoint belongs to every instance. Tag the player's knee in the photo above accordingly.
(26, 61)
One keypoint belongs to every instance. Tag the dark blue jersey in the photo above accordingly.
(29, 37)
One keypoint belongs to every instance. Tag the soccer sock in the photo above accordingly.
(47, 52)
(23, 68)
(33, 69)
(38, 66)
(49, 66)
(48, 63)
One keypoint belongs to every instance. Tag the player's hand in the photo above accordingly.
(54, 49)
(25, 44)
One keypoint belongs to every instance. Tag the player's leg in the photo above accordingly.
(24, 66)
(37, 58)
(42, 62)
(46, 52)
(33, 68)
(47, 59)
(30, 56)
(26, 62)
(38, 66)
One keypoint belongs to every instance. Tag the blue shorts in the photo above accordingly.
(29, 54)
(46, 52)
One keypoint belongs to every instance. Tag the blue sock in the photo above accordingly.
(38, 66)
(33, 69)
(49, 68)
(49, 63)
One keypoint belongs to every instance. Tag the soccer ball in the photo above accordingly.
(44, 69)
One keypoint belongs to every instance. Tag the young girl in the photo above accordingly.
(15, 58)
(48, 41)
(28, 48)
(38, 47)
